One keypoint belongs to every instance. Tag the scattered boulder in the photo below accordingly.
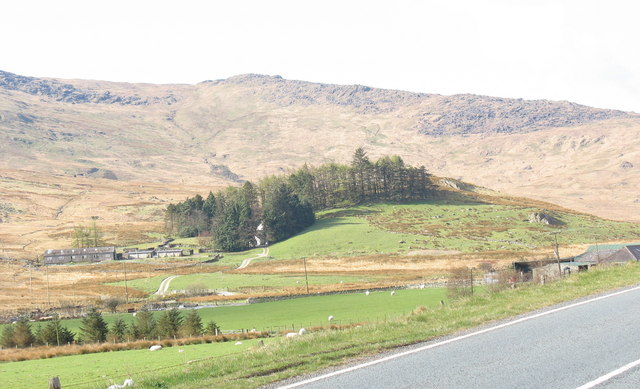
(626, 165)
(543, 218)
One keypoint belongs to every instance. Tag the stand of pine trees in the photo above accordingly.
(285, 205)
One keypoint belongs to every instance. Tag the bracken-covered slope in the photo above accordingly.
(190, 138)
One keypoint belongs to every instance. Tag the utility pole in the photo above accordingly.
(471, 273)
(126, 289)
(305, 273)
(46, 272)
(555, 234)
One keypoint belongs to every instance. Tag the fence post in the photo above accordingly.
(54, 383)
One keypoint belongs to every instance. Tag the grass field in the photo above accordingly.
(239, 282)
(307, 311)
(103, 369)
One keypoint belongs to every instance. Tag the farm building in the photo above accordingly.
(625, 254)
(168, 253)
(138, 254)
(87, 254)
(551, 271)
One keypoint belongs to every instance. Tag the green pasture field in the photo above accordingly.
(100, 370)
(239, 282)
(307, 311)
(443, 225)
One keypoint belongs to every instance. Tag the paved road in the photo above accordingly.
(568, 347)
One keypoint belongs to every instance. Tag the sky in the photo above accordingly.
(584, 51)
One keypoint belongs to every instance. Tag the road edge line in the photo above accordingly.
(444, 342)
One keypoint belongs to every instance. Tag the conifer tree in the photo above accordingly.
(93, 328)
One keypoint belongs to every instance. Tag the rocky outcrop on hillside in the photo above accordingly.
(471, 114)
(285, 93)
(544, 218)
(67, 93)
(436, 115)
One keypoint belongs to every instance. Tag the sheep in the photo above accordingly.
(238, 343)
(366, 293)
(291, 334)
(155, 347)
(302, 331)
(128, 382)
(330, 318)
(393, 292)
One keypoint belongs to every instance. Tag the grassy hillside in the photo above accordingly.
(466, 225)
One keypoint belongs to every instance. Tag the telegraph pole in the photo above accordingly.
(555, 234)
(46, 272)
(126, 289)
(305, 273)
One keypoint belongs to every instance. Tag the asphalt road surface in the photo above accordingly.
(592, 343)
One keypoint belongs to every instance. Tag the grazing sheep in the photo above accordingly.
(128, 382)
(393, 292)
(366, 293)
(291, 334)
(302, 331)
(155, 347)
(330, 318)
(238, 343)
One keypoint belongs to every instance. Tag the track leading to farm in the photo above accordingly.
(247, 262)
(164, 285)
(583, 345)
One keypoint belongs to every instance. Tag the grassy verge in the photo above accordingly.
(286, 358)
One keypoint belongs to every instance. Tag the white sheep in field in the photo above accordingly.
(155, 347)
(330, 318)
(128, 382)
(393, 292)
(302, 331)
(366, 293)
(291, 334)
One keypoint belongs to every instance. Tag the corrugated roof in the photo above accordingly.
(635, 251)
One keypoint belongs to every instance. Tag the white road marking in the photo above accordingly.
(609, 376)
(430, 346)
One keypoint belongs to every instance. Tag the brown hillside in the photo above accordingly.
(121, 151)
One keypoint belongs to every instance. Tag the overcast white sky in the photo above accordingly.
(583, 51)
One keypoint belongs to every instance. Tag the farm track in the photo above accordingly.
(247, 262)
(164, 285)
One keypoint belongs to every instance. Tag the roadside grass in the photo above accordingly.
(465, 225)
(285, 358)
(104, 369)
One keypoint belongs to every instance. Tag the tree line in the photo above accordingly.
(285, 205)
(94, 329)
